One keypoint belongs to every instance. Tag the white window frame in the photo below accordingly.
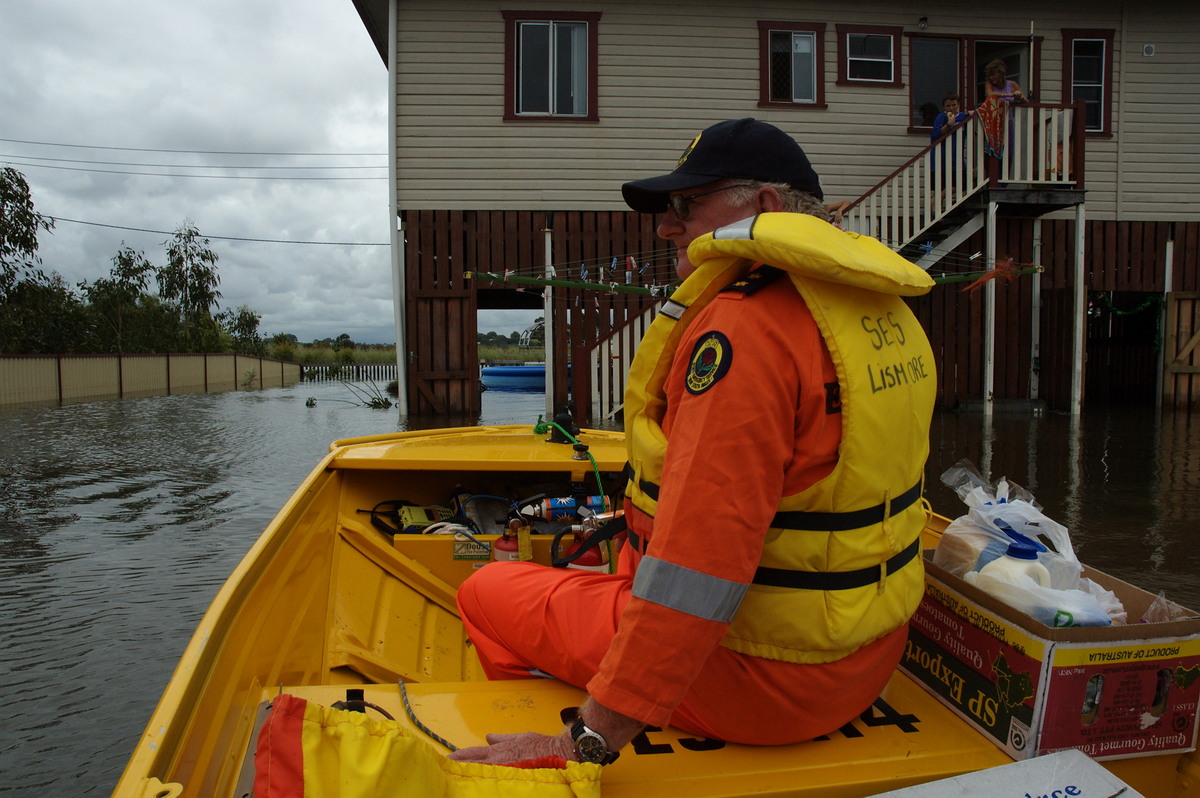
(798, 57)
(847, 61)
(1102, 84)
(577, 33)
(554, 68)
(805, 47)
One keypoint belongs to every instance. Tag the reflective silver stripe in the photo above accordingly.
(736, 231)
(673, 309)
(699, 594)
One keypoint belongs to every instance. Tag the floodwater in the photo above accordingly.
(121, 519)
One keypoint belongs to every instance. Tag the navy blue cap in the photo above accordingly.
(743, 149)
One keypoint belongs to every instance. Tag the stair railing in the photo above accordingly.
(1038, 145)
(607, 362)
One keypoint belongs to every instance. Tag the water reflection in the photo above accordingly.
(121, 519)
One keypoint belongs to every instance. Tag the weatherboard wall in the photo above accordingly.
(667, 70)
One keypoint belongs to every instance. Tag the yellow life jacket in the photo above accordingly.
(840, 566)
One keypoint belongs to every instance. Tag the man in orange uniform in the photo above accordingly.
(752, 424)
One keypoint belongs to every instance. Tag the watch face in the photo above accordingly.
(591, 748)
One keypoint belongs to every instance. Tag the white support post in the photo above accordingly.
(989, 314)
(548, 317)
(1080, 317)
(1035, 314)
(396, 227)
(1168, 279)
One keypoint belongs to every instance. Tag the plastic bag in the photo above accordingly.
(996, 518)
(1072, 607)
(993, 516)
(1163, 610)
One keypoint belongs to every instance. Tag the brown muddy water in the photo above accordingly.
(119, 521)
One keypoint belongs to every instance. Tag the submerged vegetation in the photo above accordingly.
(370, 397)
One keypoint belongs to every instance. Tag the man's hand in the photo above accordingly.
(503, 749)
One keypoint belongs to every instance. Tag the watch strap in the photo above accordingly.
(580, 730)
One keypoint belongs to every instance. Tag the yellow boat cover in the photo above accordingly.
(305, 749)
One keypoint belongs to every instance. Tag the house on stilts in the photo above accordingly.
(516, 123)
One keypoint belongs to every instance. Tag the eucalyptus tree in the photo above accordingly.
(242, 327)
(37, 311)
(189, 283)
(42, 316)
(19, 226)
(115, 301)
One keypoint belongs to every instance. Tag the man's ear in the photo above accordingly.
(768, 200)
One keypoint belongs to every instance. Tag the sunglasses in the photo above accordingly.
(680, 203)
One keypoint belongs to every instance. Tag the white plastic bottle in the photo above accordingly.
(1019, 558)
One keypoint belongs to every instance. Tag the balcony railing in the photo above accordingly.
(1035, 145)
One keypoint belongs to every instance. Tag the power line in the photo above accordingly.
(195, 152)
(167, 174)
(181, 165)
(222, 238)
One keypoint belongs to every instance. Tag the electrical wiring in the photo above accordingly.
(48, 162)
(170, 174)
(58, 219)
(192, 152)
(181, 165)
(649, 271)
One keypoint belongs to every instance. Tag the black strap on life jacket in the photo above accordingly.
(647, 487)
(607, 531)
(815, 521)
(800, 520)
(836, 580)
(841, 522)
(823, 580)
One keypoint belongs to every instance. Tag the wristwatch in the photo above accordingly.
(590, 746)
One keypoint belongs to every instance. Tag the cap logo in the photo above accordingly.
(688, 151)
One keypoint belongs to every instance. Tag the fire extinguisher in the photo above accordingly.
(595, 558)
(592, 543)
(514, 544)
(505, 549)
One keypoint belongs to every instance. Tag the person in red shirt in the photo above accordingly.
(751, 416)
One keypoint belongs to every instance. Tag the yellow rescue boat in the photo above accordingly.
(331, 607)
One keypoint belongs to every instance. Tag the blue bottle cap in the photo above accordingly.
(1025, 549)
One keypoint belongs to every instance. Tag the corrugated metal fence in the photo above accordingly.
(64, 379)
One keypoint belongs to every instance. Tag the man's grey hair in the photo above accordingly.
(794, 200)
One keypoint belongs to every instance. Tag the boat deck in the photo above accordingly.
(906, 738)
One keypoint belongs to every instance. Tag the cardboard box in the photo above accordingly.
(1067, 773)
(1111, 692)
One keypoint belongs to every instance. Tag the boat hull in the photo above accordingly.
(325, 601)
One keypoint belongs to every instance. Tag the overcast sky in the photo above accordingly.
(138, 115)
